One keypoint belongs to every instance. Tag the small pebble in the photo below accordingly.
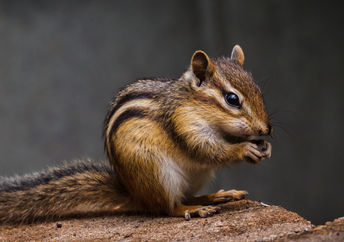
(264, 204)
(58, 225)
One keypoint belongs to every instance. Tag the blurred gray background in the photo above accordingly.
(62, 61)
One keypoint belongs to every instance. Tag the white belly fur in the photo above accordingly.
(182, 182)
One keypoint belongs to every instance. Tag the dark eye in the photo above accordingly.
(233, 100)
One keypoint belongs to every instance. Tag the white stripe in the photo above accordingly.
(137, 103)
(229, 88)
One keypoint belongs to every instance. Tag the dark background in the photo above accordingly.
(62, 61)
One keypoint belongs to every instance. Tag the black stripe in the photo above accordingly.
(126, 98)
(128, 114)
(131, 96)
(169, 126)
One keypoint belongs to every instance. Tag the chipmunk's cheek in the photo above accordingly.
(235, 128)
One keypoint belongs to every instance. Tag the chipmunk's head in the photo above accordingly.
(229, 100)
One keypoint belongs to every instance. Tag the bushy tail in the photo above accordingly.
(58, 191)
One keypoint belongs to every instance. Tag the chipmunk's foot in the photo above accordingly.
(223, 196)
(203, 212)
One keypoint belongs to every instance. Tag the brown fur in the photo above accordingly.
(64, 189)
(180, 112)
(164, 138)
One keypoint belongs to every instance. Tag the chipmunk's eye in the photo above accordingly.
(232, 99)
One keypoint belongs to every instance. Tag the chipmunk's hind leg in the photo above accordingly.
(217, 198)
(188, 211)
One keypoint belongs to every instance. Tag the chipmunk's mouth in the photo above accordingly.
(234, 139)
(239, 139)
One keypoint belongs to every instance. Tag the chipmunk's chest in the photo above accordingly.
(197, 179)
(182, 182)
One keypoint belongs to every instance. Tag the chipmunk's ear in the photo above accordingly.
(202, 66)
(238, 55)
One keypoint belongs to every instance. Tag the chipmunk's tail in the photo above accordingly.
(59, 191)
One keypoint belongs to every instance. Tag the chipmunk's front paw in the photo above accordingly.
(257, 150)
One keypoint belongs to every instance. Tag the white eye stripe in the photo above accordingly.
(217, 95)
(248, 109)
(228, 88)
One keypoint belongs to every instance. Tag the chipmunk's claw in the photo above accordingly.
(203, 212)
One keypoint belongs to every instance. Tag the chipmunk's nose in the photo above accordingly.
(267, 131)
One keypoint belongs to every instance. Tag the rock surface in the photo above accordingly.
(237, 221)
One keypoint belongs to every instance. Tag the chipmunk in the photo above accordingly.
(164, 138)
